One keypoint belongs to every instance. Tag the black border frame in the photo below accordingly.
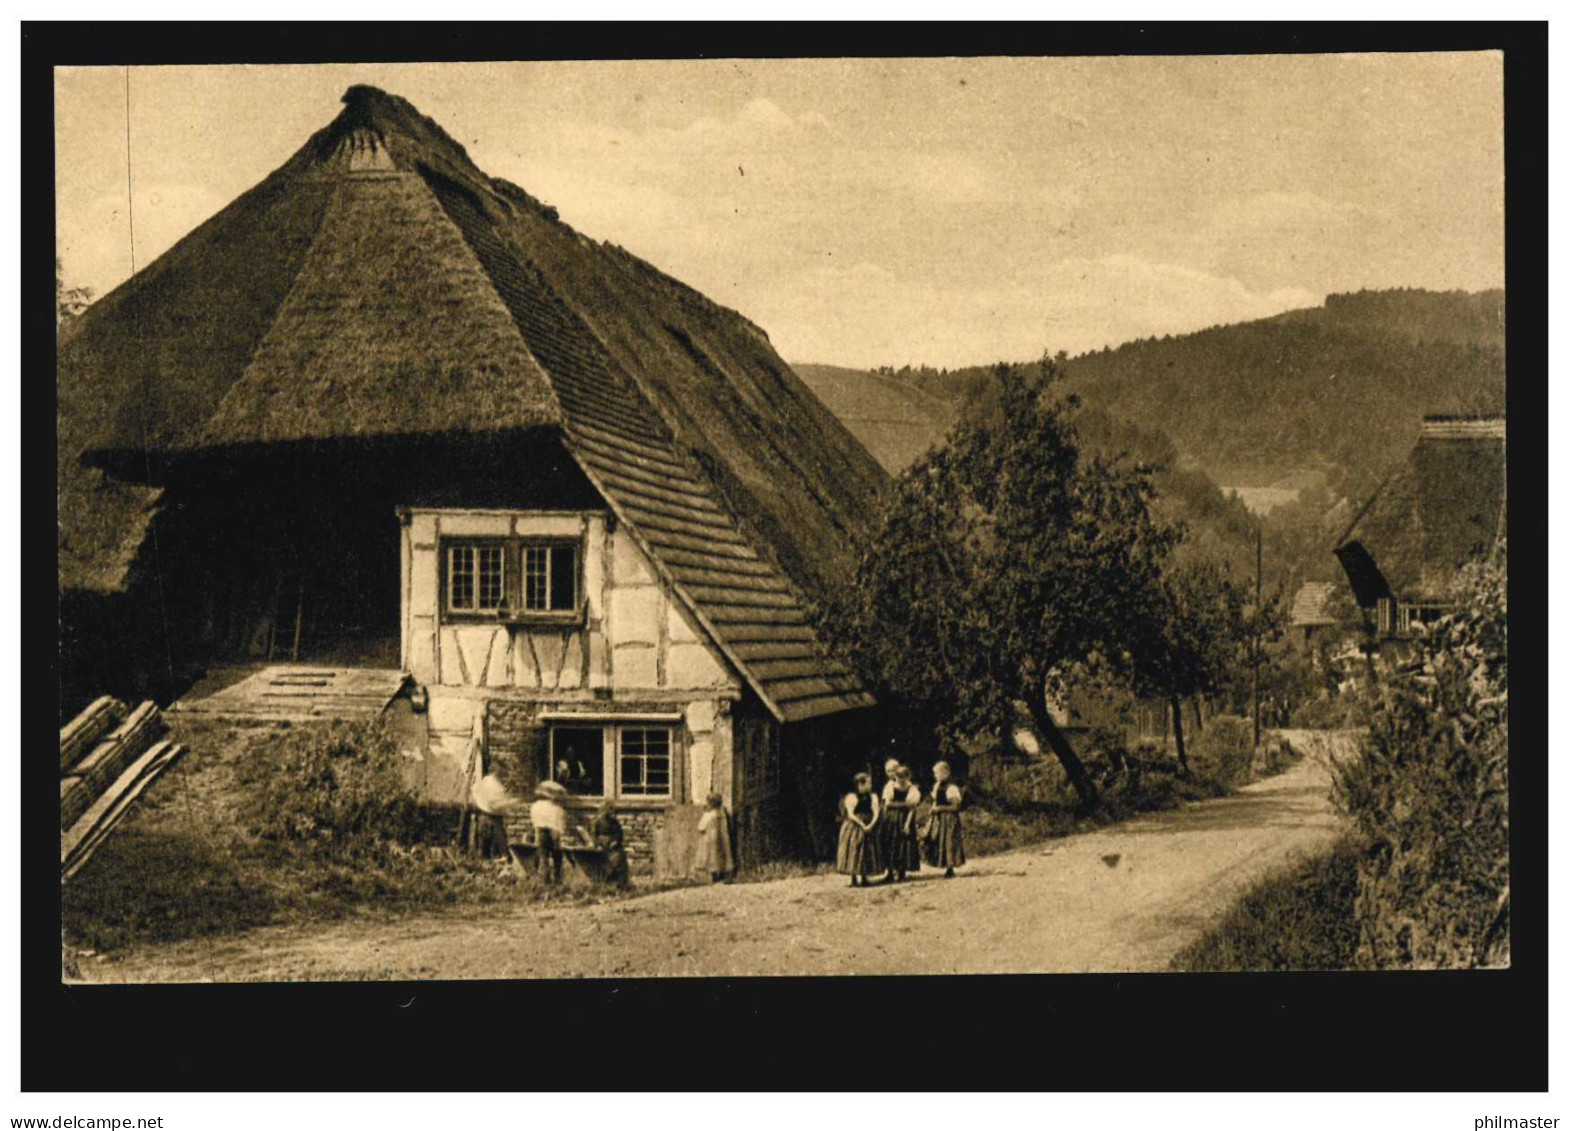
(1483, 1030)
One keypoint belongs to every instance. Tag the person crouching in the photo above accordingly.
(610, 840)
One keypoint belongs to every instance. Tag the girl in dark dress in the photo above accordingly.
(857, 856)
(901, 848)
(944, 837)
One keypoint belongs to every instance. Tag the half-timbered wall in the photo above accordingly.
(633, 635)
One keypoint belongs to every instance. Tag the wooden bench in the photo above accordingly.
(588, 859)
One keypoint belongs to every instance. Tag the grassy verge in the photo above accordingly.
(192, 861)
(1300, 919)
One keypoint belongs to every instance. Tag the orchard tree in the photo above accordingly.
(1198, 629)
(1002, 559)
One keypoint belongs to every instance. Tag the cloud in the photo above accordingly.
(1275, 210)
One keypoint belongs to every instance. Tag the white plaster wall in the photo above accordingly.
(636, 636)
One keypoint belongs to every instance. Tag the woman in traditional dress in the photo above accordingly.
(900, 847)
(944, 837)
(713, 840)
(608, 837)
(857, 857)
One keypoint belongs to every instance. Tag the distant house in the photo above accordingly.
(1311, 614)
(384, 410)
(1445, 506)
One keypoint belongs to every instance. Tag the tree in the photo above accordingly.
(1193, 635)
(69, 302)
(1002, 559)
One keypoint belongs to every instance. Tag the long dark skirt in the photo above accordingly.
(901, 848)
(484, 834)
(858, 855)
(945, 840)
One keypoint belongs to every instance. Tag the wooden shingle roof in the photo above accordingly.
(412, 294)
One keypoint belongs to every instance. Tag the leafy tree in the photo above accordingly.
(69, 302)
(1004, 558)
(1193, 635)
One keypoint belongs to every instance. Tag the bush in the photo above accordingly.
(1301, 919)
(1430, 794)
(1274, 757)
(1329, 712)
(1223, 751)
(339, 785)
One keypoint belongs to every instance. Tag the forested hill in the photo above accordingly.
(1343, 386)
(1458, 317)
(1340, 388)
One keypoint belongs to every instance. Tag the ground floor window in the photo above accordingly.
(632, 760)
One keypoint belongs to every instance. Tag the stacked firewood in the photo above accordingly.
(107, 758)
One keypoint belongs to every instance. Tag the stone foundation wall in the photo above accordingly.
(637, 825)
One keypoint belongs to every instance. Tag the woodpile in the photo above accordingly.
(102, 774)
(82, 733)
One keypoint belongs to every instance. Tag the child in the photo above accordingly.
(713, 839)
(549, 818)
(944, 833)
(901, 849)
(857, 856)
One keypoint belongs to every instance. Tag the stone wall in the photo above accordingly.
(638, 827)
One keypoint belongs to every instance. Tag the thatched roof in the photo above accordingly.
(380, 285)
(1441, 508)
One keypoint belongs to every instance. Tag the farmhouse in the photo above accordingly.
(385, 412)
(1445, 506)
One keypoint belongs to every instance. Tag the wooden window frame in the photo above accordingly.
(610, 752)
(512, 611)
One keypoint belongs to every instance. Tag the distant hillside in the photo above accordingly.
(896, 419)
(1456, 317)
(1342, 387)
(1292, 411)
(1339, 389)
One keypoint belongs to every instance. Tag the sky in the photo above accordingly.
(885, 211)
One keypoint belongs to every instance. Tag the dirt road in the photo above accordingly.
(1121, 899)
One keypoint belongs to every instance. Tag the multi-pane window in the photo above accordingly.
(602, 761)
(645, 761)
(499, 575)
(550, 577)
(476, 576)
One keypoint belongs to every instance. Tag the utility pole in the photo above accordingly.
(1258, 607)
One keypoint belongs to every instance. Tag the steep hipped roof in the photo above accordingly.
(1444, 506)
(379, 285)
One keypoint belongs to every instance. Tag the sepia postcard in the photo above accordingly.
(744, 517)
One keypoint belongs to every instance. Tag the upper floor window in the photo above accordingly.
(550, 577)
(512, 578)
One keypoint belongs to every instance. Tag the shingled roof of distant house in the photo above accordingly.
(378, 284)
(1445, 505)
(1311, 606)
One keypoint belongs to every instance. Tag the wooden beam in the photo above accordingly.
(82, 733)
